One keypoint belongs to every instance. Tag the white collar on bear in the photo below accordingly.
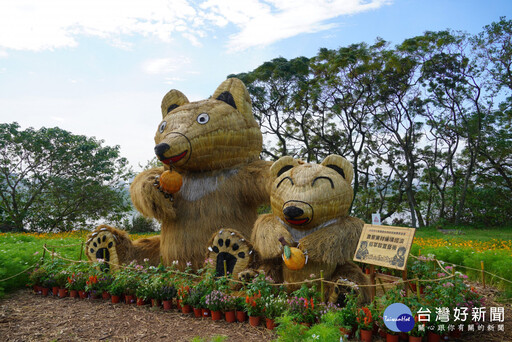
(298, 234)
(199, 185)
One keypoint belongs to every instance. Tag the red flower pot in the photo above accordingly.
(415, 339)
(82, 294)
(115, 299)
(73, 293)
(105, 295)
(129, 299)
(230, 316)
(198, 313)
(366, 335)
(178, 304)
(140, 301)
(186, 309)
(241, 316)
(167, 304)
(205, 312)
(391, 338)
(216, 315)
(55, 291)
(270, 323)
(433, 337)
(254, 320)
(44, 291)
(63, 293)
(155, 303)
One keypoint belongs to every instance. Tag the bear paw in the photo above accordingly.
(229, 248)
(101, 246)
(340, 291)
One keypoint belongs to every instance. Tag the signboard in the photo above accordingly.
(376, 219)
(385, 246)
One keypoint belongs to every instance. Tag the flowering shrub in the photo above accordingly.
(364, 319)
(274, 306)
(215, 300)
(77, 281)
(303, 309)
(254, 304)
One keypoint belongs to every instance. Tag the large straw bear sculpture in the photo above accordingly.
(310, 204)
(212, 147)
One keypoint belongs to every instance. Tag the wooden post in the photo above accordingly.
(322, 296)
(406, 283)
(419, 252)
(483, 273)
(53, 252)
(44, 251)
(418, 290)
(225, 269)
(372, 281)
(81, 251)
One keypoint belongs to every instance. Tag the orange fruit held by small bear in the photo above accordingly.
(294, 259)
(170, 181)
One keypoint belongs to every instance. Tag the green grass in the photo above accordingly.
(466, 233)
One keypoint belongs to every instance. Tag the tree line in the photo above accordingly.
(426, 123)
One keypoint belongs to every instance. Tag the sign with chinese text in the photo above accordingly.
(385, 246)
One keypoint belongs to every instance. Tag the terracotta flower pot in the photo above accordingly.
(346, 332)
(73, 293)
(241, 316)
(63, 293)
(44, 291)
(254, 320)
(433, 337)
(270, 323)
(140, 301)
(186, 309)
(205, 312)
(391, 338)
(178, 304)
(129, 299)
(366, 335)
(230, 316)
(82, 294)
(155, 303)
(105, 295)
(55, 291)
(115, 299)
(167, 304)
(216, 315)
(415, 339)
(198, 313)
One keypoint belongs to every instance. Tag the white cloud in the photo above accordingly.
(3, 54)
(159, 66)
(51, 24)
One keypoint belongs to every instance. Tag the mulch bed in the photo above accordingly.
(25, 316)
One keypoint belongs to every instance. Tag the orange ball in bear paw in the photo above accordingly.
(293, 257)
(170, 181)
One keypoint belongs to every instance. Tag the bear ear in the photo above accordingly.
(340, 165)
(173, 99)
(282, 165)
(234, 93)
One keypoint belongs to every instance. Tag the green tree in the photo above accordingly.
(51, 179)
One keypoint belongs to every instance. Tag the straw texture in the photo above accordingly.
(215, 145)
(310, 204)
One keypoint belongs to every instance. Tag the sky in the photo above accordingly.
(101, 67)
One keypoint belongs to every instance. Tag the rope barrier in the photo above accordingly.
(17, 274)
(308, 281)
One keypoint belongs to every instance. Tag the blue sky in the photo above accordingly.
(101, 67)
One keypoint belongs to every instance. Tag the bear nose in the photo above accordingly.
(293, 212)
(160, 150)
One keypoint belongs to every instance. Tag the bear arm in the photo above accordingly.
(256, 182)
(149, 200)
(265, 237)
(334, 244)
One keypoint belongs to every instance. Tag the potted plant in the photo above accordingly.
(214, 301)
(241, 314)
(229, 305)
(254, 308)
(274, 307)
(364, 324)
(167, 293)
(184, 298)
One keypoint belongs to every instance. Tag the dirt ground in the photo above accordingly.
(25, 316)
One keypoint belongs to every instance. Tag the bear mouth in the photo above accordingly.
(298, 222)
(175, 159)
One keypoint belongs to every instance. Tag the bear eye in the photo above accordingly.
(162, 126)
(321, 177)
(203, 118)
(291, 180)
